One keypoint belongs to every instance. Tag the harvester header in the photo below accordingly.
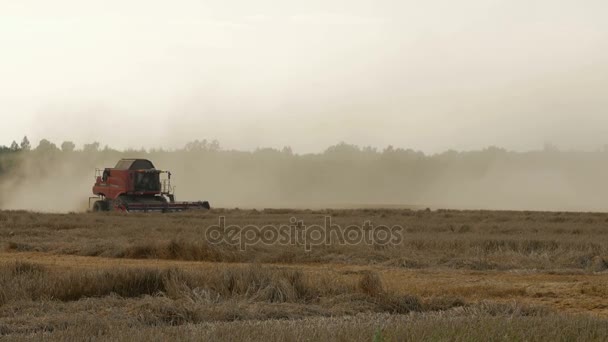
(136, 185)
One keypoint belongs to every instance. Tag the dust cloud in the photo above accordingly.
(342, 177)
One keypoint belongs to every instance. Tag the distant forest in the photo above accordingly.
(58, 177)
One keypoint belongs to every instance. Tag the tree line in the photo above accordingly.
(68, 146)
(343, 173)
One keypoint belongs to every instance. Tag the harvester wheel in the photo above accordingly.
(99, 206)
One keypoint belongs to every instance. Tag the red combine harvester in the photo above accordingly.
(135, 185)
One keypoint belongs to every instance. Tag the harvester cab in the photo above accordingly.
(136, 185)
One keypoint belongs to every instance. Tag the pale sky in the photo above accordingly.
(429, 75)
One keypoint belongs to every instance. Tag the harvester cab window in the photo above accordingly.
(147, 181)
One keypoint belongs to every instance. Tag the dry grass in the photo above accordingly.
(476, 240)
(275, 292)
(155, 297)
(481, 322)
(254, 303)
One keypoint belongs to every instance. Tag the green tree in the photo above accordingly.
(25, 144)
(14, 146)
(68, 146)
(214, 145)
(93, 147)
(46, 146)
(196, 145)
(287, 151)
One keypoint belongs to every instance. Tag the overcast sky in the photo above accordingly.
(429, 75)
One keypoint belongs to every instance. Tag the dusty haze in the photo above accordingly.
(341, 177)
(430, 76)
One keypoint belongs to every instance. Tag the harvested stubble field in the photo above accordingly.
(457, 275)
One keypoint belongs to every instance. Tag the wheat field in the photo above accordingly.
(455, 275)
